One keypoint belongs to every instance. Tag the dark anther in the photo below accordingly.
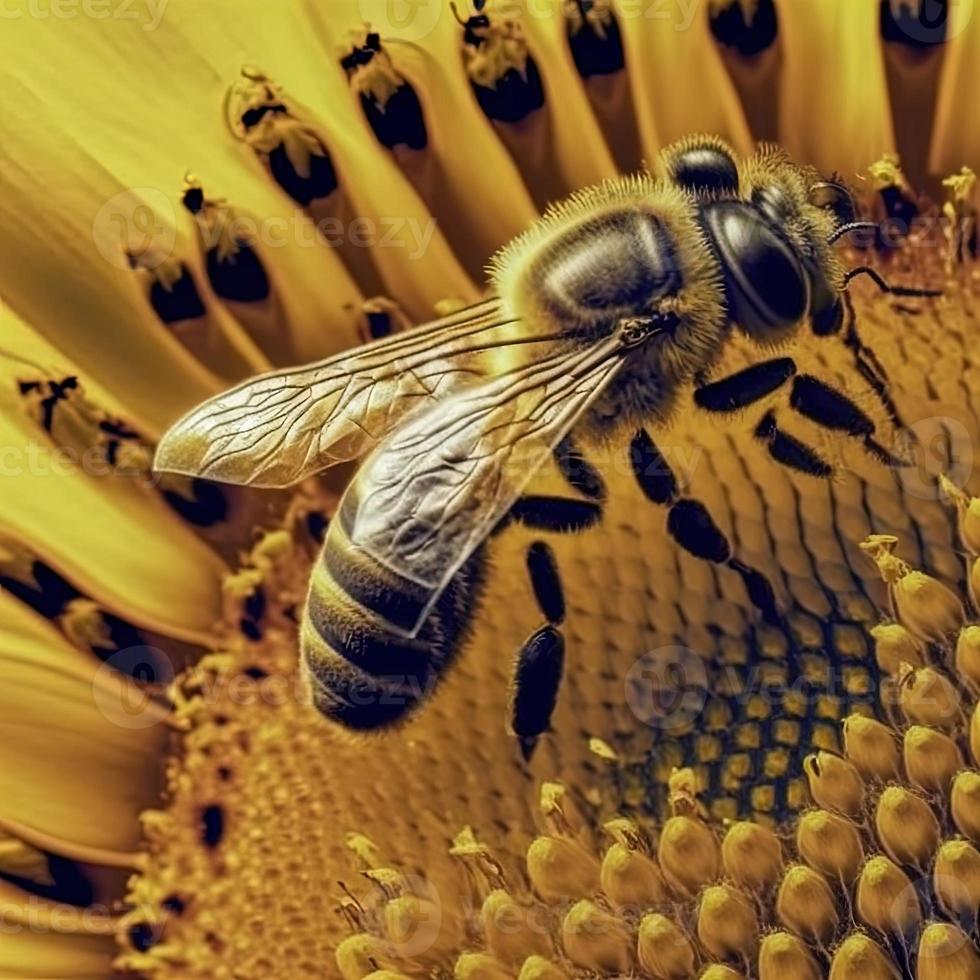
(47, 593)
(321, 181)
(316, 525)
(920, 25)
(54, 393)
(518, 90)
(252, 117)
(901, 209)
(206, 507)
(400, 121)
(212, 826)
(240, 276)
(379, 323)
(749, 32)
(142, 936)
(174, 903)
(193, 199)
(255, 605)
(180, 302)
(396, 117)
(116, 433)
(594, 39)
(514, 96)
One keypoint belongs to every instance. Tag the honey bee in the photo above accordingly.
(604, 318)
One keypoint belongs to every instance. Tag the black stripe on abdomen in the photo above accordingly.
(384, 592)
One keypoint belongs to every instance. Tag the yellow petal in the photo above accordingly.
(79, 744)
(44, 939)
(154, 122)
(956, 129)
(113, 539)
(471, 185)
(840, 119)
(680, 84)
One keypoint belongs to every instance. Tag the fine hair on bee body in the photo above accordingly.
(609, 316)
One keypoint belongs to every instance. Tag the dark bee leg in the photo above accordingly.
(823, 404)
(690, 524)
(867, 361)
(745, 387)
(538, 671)
(751, 385)
(536, 682)
(578, 471)
(832, 321)
(546, 582)
(789, 451)
(561, 514)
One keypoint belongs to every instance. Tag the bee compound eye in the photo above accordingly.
(774, 203)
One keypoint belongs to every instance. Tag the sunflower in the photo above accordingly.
(195, 192)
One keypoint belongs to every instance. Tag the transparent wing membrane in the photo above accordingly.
(279, 428)
(434, 490)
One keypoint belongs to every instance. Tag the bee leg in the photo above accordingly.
(560, 514)
(580, 474)
(821, 403)
(832, 321)
(789, 451)
(867, 361)
(546, 582)
(690, 524)
(538, 672)
(745, 387)
(870, 367)
(537, 678)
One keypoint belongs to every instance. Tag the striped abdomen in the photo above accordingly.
(364, 672)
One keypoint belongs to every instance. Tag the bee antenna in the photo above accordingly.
(887, 287)
(849, 227)
(455, 10)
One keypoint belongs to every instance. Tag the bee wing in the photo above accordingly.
(435, 489)
(275, 430)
